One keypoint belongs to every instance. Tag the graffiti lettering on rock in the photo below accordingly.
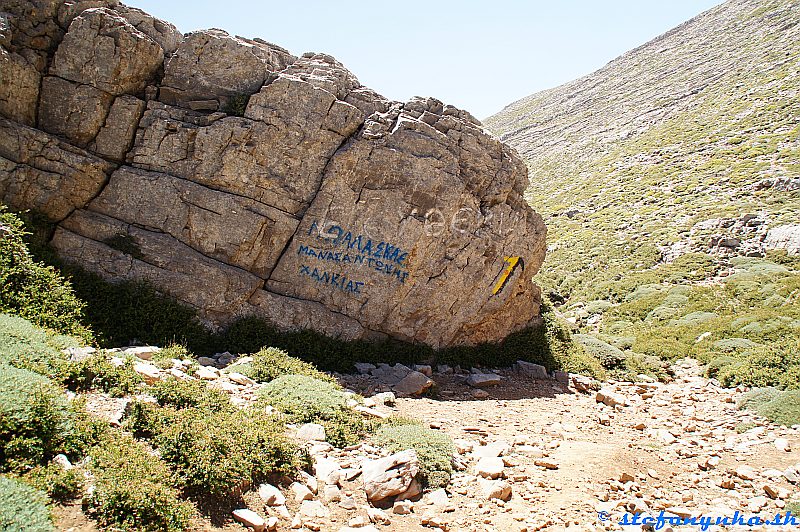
(336, 280)
(362, 260)
(339, 237)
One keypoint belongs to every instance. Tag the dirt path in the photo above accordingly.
(657, 443)
(568, 457)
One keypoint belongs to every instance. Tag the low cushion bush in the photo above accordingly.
(23, 507)
(270, 363)
(134, 489)
(97, 372)
(24, 345)
(781, 407)
(58, 483)
(190, 394)
(215, 455)
(304, 399)
(35, 420)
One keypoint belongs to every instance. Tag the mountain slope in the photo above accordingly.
(668, 179)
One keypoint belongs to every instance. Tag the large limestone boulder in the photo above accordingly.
(314, 202)
(274, 155)
(213, 65)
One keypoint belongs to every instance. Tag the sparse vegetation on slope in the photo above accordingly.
(659, 177)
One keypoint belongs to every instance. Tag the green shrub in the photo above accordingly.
(35, 420)
(609, 356)
(122, 312)
(783, 409)
(133, 489)
(97, 372)
(304, 399)
(768, 365)
(31, 289)
(190, 394)
(87, 431)
(270, 363)
(236, 104)
(757, 397)
(216, 455)
(792, 506)
(434, 450)
(172, 351)
(741, 428)
(26, 346)
(60, 484)
(638, 364)
(23, 507)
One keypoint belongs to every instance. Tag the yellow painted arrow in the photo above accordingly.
(512, 263)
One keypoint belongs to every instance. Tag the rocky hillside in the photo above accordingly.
(670, 181)
(245, 181)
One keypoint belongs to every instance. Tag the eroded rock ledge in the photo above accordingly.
(243, 180)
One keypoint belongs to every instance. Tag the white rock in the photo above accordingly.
(63, 461)
(493, 449)
(145, 352)
(489, 467)
(147, 371)
(495, 489)
(327, 471)
(238, 378)
(364, 368)
(782, 444)
(378, 516)
(250, 518)
(414, 383)
(207, 373)
(384, 398)
(389, 476)
(271, 495)
(438, 497)
(309, 480)
(301, 492)
(402, 508)
(424, 369)
(746, 472)
(608, 397)
(311, 432)
(534, 371)
(313, 509)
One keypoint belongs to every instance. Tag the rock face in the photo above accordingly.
(243, 180)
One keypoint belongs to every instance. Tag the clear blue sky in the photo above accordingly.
(477, 55)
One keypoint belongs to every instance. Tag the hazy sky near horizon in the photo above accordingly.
(477, 55)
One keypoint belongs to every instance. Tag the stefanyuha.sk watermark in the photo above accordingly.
(664, 520)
